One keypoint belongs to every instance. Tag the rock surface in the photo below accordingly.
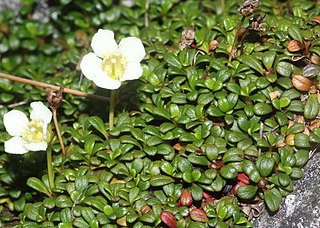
(300, 209)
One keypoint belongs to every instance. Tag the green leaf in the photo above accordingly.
(295, 33)
(302, 156)
(198, 160)
(262, 109)
(233, 155)
(284, 68)
(98, 124)
(196, 192)
(296, 128)
(160, 180)
(312, 107)
(218, 183)
(133, 194)
(228, 172)
(268, 59)
(273, 199)
(166, 167)
(247, 192)
(172, 60)
(302, 140)
(38, 185)
(252, 62)
(265, 165)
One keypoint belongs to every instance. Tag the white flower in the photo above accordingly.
(28, 135)
(109, 64)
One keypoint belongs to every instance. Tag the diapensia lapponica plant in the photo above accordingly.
(111, 64)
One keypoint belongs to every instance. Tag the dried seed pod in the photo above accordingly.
(311, 70)
(316, 19)
(122, 221)
(213, 45)
(206, 195)
(314, 59)
(301, 83)
(187, 38)
(145, 209)
(249, 7)
(54, 99)
(198, 215)
(168, 218)
(295, 45)
(186, 198)
(243, 178)
(290, 140)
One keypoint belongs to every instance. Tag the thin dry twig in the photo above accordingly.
(54, 100)
(146, 14)
(57, 88)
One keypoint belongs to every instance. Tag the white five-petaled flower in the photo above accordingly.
(28, 135)
(109, 64)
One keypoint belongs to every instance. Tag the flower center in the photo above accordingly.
(33, 133)
(114, 64)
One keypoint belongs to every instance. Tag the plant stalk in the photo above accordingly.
(50, 167)
(56, 125)
(113, 98)
(46, 85)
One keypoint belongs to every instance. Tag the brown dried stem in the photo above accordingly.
(233, 48)
(146, 14)
(57, 88)
(56, 125)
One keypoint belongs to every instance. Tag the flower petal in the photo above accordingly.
(133, 71)
(103, 80)
(15, 145)
(14, 122)
(132, 48)
(103, 43)
(40, 112)
(36, 146)
(90, 64)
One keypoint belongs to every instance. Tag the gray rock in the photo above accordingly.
(10, 4)
(41, 12)
(300, 209)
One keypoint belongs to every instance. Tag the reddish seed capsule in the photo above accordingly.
(206, 195)
(168, 219)
(186, 198)
(295, 45)
(198, 215)
(243, 178)
(301, 83)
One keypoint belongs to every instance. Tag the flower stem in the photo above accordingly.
(114, 95)
(56, 125)
(50, 167)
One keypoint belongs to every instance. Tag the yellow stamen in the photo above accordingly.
(33, 133)
(114, 64)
